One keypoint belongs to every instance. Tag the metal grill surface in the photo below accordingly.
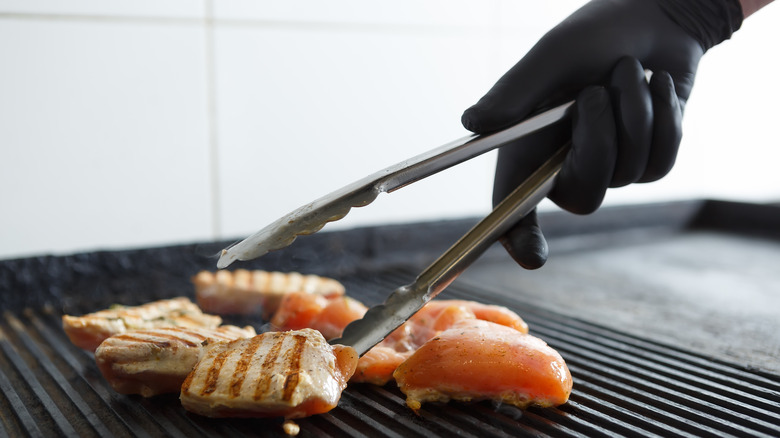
(623, 385)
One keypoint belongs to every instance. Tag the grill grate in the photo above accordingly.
(624, 385)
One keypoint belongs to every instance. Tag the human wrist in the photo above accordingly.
(751, 6)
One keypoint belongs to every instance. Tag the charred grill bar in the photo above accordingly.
(624, 383)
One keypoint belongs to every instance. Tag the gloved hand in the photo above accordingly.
(625, 129)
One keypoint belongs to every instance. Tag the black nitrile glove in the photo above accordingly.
(625, 129)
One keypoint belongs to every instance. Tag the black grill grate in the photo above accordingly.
(624, 385)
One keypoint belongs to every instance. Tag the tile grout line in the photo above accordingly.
(211, 102)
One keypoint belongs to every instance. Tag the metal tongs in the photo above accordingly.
(405, 301)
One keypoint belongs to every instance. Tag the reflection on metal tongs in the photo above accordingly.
(405, 301)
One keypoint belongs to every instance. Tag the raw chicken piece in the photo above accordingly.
(486, 312)
(331, 315)
(327, 315)
(288, 374)
(88, 331)
(378, 364)
(481, 360)
(440, 315)
(253, 292)
(156, 361)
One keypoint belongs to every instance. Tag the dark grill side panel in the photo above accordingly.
(623, 386)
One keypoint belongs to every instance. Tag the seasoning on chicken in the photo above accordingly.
(378, 364)
(481, 360)
(88, 331)
(329, 315)
(156, 361)
(247, 292)
(288, 374)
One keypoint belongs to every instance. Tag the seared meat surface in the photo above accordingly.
(89, 330)
(290, 374)
(248, 292)
(156, 361)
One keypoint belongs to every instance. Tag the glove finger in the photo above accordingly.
(525, 243)
(633, 107)
(588, 169)
(511, 99)
(553, 71)
(516, 161)
(562, 63)
(667, 127)
(520, 158)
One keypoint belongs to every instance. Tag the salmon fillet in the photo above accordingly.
(481, 360)
(379, 363)
(156, 361)
(328, 315)
(288, 374)
(247, 292)
(88, 331)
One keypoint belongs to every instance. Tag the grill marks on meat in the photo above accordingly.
(213, 374)
(248, 292)
(293, 357)
(291, 374)
(89, 330)
(243, 365)
(156, 361)
(291, 361)
(265, 379)
(163, 340)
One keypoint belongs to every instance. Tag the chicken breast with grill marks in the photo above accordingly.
(287, 374)
(156, 361)
(89, 330)
(248, 292)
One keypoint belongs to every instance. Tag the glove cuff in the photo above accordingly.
(710, 22)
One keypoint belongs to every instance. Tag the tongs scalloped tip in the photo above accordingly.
(311, 217)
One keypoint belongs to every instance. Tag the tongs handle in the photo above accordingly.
(466, 148)
(311, 217)
(506, 214)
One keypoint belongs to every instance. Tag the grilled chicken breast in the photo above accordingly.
(289, 374)
(252, 292)
(481, 360)
(88, 331)
(156, 361)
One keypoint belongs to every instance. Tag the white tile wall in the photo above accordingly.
(96, 9)
(104, 135)
(426, 13)
(126, 124)
(299, 119)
